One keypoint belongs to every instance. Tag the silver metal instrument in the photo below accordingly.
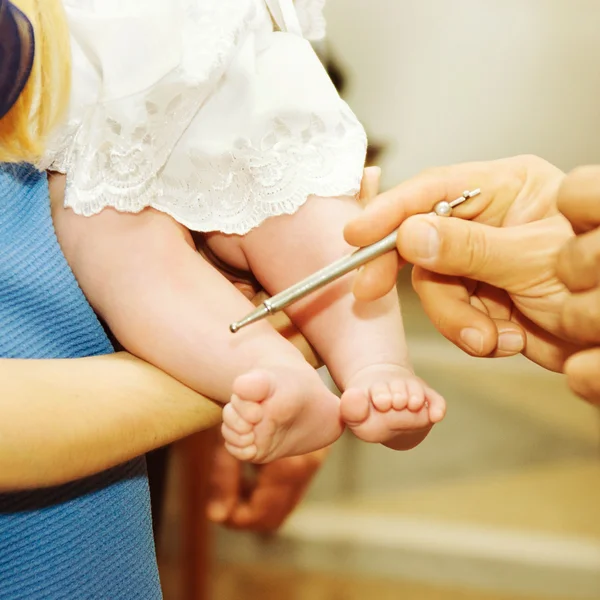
(338, 269)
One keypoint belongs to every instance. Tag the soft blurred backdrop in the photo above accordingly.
(502, 501)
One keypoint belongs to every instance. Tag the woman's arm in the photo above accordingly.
(66, 419)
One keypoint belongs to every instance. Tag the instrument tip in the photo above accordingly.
(256, 315)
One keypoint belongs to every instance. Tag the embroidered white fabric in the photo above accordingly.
(198, 108)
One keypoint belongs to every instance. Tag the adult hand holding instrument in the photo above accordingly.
(339, 268)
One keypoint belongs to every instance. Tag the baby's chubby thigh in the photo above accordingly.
(223, 250)
(286, 247)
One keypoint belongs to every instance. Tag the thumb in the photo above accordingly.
(369, 186)
(578, 198)
(464, 248)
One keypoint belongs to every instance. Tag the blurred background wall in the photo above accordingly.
(449, 81)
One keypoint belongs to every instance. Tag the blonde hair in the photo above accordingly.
(42, 103)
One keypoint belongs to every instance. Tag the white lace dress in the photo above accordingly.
(217, 112)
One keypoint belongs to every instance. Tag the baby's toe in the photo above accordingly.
(255, 386)
(437, 405)
(248, 411)
(239, 440)
(234, 421)
(354, 407)
(399, 394)
(245, 454)
(416, 395)
(381, 396)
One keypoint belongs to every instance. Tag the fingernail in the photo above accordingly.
(424, 239)
(216, 511)
(510, 342)
(473, 339)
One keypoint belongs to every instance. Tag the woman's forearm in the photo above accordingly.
(66, 419)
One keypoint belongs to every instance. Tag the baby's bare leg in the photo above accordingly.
(167, 305)
(363, 344)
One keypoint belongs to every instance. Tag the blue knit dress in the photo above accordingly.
(91, 539)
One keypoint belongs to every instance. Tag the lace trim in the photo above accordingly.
(136, 162)
(256, 180)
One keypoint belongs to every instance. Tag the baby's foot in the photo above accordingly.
(283, 411)
(388, 404)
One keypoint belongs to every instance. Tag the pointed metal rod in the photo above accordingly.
(338, 269)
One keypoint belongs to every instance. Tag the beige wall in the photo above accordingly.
(451, 80)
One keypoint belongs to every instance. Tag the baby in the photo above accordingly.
(216, 117)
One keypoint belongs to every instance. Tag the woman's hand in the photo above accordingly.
(489, 284)
(579, 269)
(258, 497)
